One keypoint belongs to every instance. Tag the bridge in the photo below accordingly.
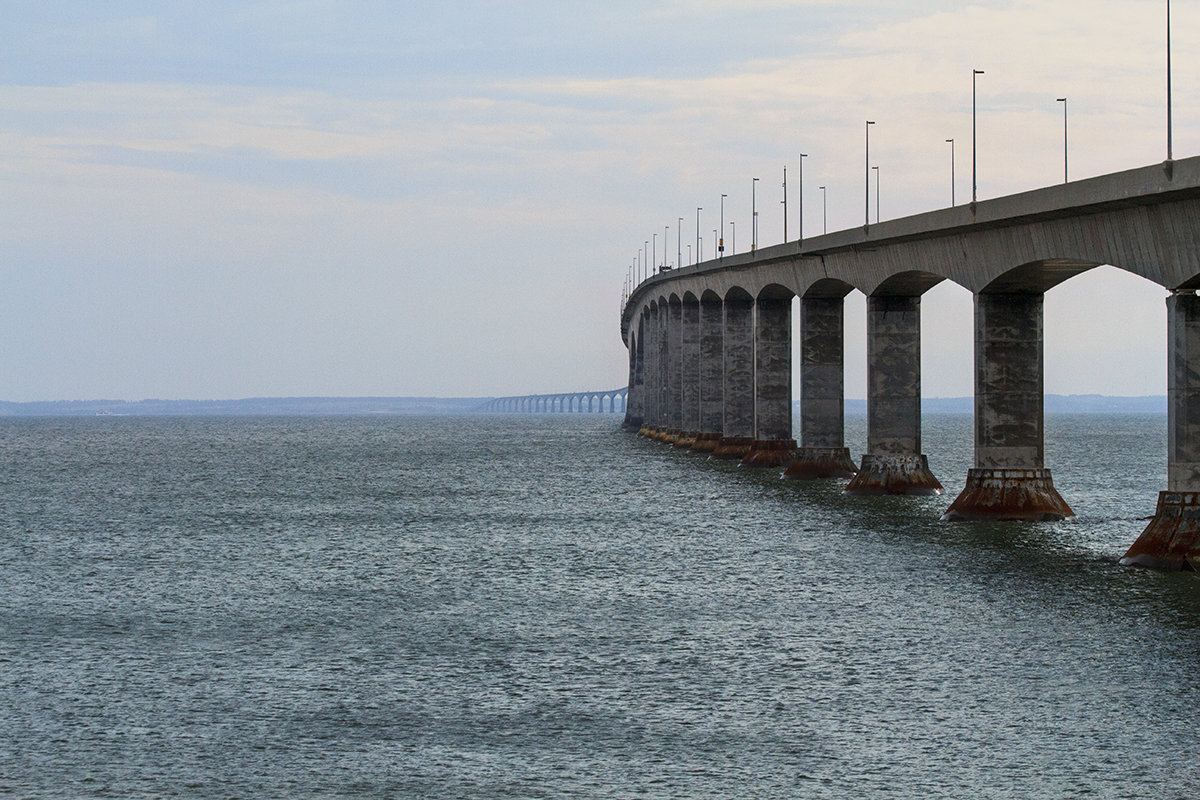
(710, 345)
(570, 402)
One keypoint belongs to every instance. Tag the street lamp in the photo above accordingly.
(801, 182)
(1063, 100)
(732, 239)
(785, 202)
(876, 194)
(867, 176)
(698, 210)
(824, 211)
(716, 240)
(679, 242)
(753, 216)
(721, 242)
(666, 230)
(974, 183)
(646, 252)
(951, 141)
(1169, 156)
(654, 250)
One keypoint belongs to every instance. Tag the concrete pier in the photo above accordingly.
(822, 452)
(1009, 480)
(689, 372)
(1172, 539)
(737, 427)
(894, 463)
(673, 373)
(773, 443)
(712, 374)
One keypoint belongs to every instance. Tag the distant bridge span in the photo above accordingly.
(710, 345)
(568, 402)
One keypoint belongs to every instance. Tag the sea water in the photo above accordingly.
(547, 607)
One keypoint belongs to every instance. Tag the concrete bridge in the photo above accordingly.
(710, 345)
(612, 401)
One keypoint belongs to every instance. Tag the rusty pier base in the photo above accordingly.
(1026, 495)
(891, 473)
(706, 442)
(821, 462)
(770, 453)
(1172, 539)
(733, 447)
(686, 439)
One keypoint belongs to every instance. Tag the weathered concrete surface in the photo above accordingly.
(1009, 480)
(732, 448)
(634, 408)
(770, 453)
(673, 418)
(821, 462)
(689, 392)
(822, 372)
(822, 452)
(738, 372)
(652, 378)
(894, 473)
(773, 369)
(1008, 381)
(773, 443)
(1172, 539)
(712, 373)
(1026, 495)
(893, 463)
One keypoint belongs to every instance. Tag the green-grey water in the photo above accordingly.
(547, 607)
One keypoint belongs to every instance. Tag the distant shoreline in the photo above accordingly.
(365, 406)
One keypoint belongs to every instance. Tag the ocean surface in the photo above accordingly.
(548, 607)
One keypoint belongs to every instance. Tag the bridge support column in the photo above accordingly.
(674, 366)
(1009, 480)
(650, 367)
(893, 463)
(822, 452)
(689, 371)
(712, 376)
(737, 426)
(1172, 539)
(773, 442)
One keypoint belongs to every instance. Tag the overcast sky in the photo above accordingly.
(230, 199)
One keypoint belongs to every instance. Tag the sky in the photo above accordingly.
(265, 198)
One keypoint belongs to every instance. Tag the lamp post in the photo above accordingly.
(867, 175)
(800, 180)
(679, 241)
(951, 141)
(654, 250)
(721, 241)
(753, 216)
(824, 211)
(716, 239)
(785, 202)
(876, 168)
(689, 252)
(666, 230)
(646, 252)
(732, 238)
(974, 182)
(698, 210)
(1063, 100)
(1169, 155)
